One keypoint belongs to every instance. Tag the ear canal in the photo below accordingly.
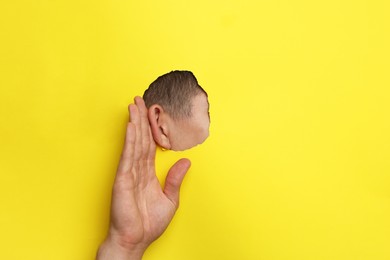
(164, 139)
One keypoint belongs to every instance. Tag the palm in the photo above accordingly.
(140, 215)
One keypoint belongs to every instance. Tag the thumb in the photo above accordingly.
(174, 179)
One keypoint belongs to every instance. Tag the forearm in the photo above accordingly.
(110, 249)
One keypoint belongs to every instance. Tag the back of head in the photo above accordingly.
(174, 92)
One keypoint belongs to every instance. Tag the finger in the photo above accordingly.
(149, 144)
(144, 123)
(127, 157)
(135, 119)
(174, 180)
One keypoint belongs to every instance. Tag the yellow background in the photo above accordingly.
(297, 165)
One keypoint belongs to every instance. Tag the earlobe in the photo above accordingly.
(159, 126)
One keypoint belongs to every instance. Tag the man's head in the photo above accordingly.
(178, 110)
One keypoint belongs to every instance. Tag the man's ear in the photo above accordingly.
(159, 125)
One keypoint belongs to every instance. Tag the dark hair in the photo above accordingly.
(174, 92)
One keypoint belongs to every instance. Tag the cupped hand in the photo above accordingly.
(140, 209)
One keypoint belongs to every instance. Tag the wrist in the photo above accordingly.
(114, 248)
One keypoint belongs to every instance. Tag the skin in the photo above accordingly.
(181, 134)
(140, 209)
(187, 133)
